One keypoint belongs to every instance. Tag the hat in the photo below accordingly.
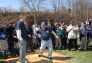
(43, 23)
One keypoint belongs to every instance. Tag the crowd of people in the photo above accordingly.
(55, 36)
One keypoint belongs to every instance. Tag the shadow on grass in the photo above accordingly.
(90, 48)
(62, 58)
(59, 58)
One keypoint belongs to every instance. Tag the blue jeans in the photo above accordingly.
(44, 44)
(83, 43)
(22, 45)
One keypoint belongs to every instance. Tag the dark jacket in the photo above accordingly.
(21, 26)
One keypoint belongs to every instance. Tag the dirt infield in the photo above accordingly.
(33, 58)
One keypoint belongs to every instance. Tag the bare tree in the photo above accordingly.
(56, 6)
(22, 9)
(34, 6)
(81, 7)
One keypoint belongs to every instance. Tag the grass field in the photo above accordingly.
(1, 60)
(79, 56)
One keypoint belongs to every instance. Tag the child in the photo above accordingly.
(58, 41)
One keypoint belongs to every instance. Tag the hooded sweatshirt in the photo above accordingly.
(72, 32)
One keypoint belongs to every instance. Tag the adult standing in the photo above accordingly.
(63, 37)
(89, 33)
(22, 36)
(46, 39)
(30, 36)
(72, 37)
(10, 38)
(83, 37)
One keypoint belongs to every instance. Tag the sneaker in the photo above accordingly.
(39, 55)
(50, 58)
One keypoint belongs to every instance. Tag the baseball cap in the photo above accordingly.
(43, 23)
